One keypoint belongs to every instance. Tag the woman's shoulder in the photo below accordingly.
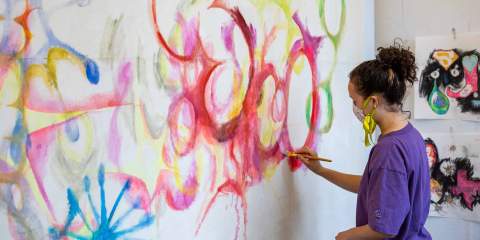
(401, 139)
(388, 154)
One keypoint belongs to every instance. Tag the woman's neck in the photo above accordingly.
(391, 122)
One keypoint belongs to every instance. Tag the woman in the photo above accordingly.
(393, 193)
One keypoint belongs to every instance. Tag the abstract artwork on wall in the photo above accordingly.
(448, 86)
(455, 183)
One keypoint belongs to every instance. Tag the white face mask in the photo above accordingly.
(358, 113)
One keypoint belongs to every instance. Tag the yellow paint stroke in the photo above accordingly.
(39, 120)
(12, 86)
(290, 26)
(57, 54)
(270, 171)
(239, 89)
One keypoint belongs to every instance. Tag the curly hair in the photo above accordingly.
(388, 74)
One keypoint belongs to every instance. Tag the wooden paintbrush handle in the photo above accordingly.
(308, 156)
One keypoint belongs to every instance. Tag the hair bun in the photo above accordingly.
(401, 60)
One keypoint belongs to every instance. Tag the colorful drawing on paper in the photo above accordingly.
(98, 145)
(455, 184)
(451, 75)
(449, 82)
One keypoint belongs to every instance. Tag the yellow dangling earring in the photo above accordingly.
(369, 124)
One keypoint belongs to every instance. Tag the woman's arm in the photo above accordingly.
(346, 181)
(360, 233)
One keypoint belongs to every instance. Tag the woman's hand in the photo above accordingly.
(363, 232)
(313, 165)
(346, 235)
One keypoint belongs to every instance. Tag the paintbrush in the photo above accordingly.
(307, 156)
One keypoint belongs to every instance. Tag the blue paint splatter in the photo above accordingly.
(91, 70)
(16, 152)
(105, 229)
(19, 137)
(71, 128)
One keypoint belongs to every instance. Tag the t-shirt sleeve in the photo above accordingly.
(388, 200)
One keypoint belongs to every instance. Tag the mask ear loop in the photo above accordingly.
(369, 124)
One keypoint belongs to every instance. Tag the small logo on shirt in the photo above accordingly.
(378, 214)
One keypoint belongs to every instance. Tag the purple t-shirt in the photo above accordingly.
(394, 194)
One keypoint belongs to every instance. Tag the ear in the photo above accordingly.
(375, 101)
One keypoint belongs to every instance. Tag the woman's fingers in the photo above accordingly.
(303, 159)
(309, 163)
(307, 150)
